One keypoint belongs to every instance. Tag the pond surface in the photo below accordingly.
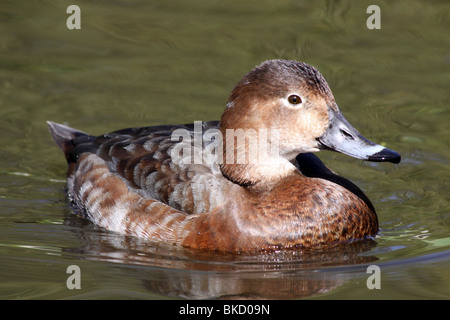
(169, 62)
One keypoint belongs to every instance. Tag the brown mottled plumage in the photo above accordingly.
(128, 181)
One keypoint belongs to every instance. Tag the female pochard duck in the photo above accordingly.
(201, 186)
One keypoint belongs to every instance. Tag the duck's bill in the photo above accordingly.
(342, 137)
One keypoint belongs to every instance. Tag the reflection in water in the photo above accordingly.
(182, 273)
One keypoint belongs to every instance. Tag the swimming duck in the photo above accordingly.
(200, 186)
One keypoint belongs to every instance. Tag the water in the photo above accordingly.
(172, 62)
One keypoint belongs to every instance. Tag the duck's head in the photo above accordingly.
(293, 100)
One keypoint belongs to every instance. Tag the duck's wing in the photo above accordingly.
(144, 159)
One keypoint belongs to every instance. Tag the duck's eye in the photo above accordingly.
(294, 99)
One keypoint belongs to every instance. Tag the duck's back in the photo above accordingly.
(143, 158)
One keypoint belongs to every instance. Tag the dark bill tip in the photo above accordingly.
(385, 155)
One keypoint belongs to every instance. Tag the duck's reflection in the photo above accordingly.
(182, 273)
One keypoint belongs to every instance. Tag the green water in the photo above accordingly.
(139, 63)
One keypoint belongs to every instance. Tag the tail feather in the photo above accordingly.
(68, 138)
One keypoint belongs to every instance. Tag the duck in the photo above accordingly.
(247, 183)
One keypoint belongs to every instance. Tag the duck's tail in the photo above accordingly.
(69, 139)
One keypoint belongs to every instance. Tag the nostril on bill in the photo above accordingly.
(347, 134)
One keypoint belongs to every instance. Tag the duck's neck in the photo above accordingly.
(251, 149)
(251, 158)
(258, 176)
